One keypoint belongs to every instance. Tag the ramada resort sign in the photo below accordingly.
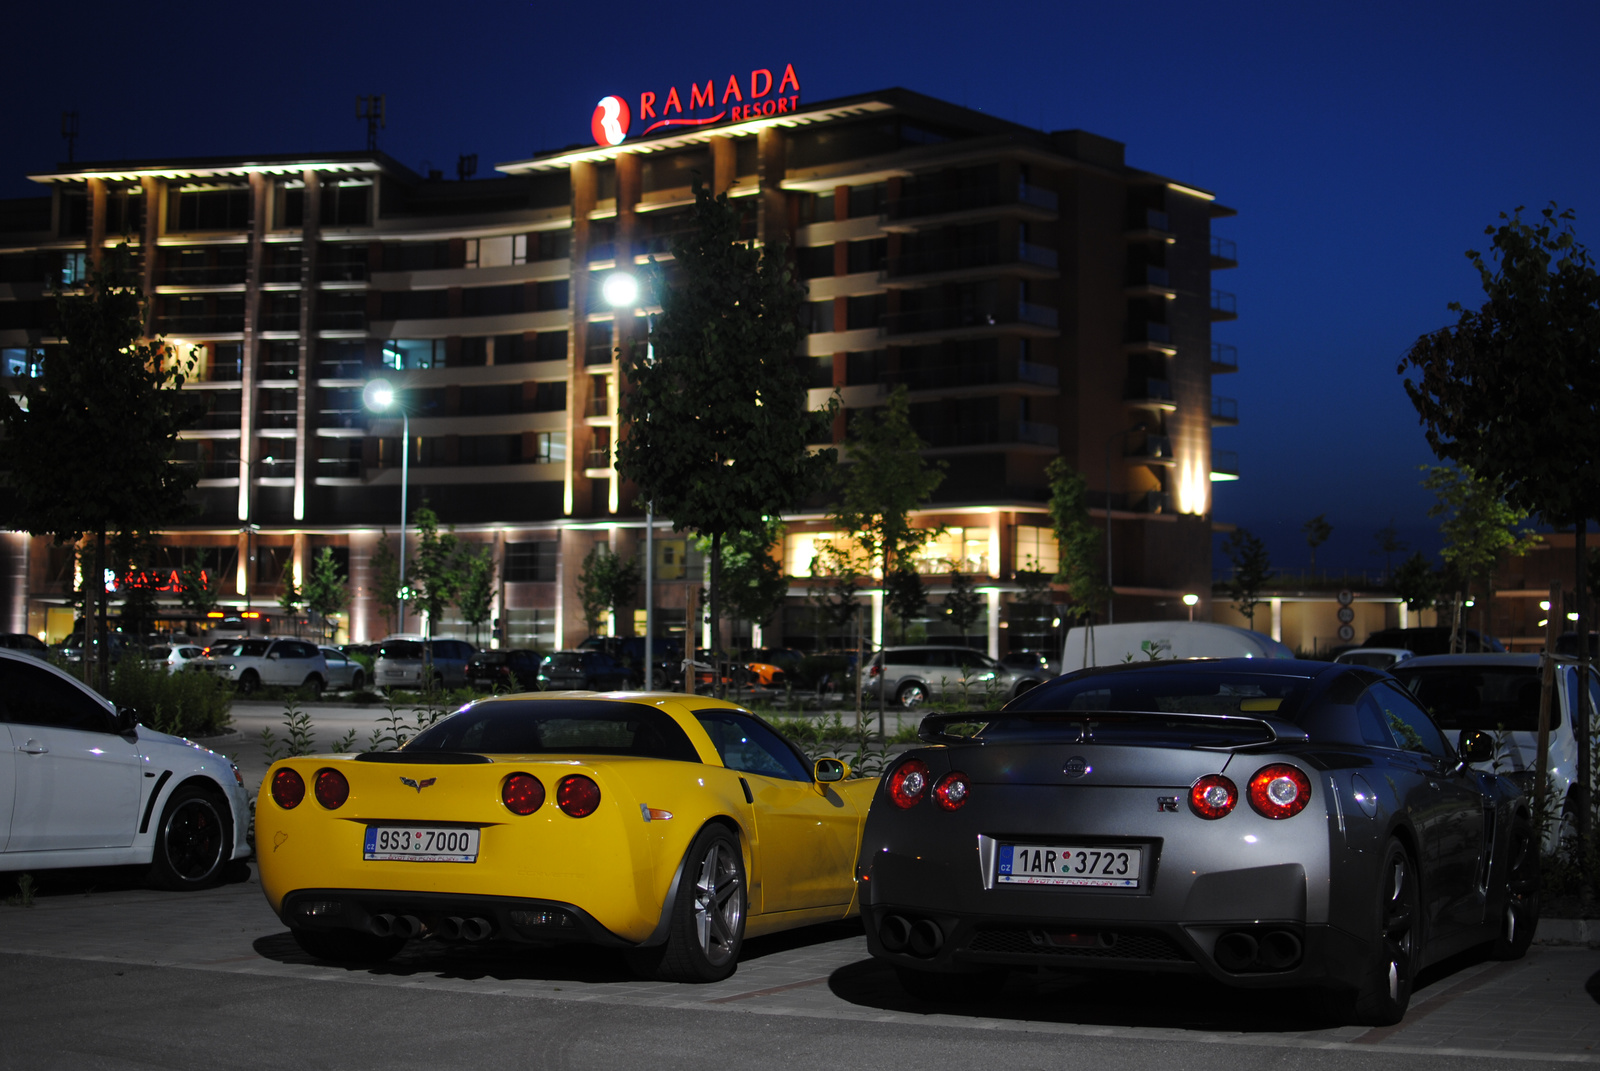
(733, 101)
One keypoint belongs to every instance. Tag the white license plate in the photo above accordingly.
(422, 844)
(1069, 864)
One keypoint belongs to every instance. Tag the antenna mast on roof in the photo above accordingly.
(69, 130)
(372, 110)
(466, 166)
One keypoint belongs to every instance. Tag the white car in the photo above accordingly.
(86, 785)
(175, 657)
(343, 671)
(1499, 694)
(256, 663)
(1374, 657)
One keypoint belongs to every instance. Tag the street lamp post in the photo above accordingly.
(1189, 600)
(380, 396)
(621, 291)
(1111, 589)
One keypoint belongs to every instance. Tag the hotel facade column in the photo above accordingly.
(310, 232)
(584, 182)
(155, 191)
(97, 223)
(255, 266)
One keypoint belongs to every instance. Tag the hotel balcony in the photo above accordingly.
(939, 207)
(960, 437)
(1149, 280)
(1149, 335)
(281, 273)
(1224, 358)
(938, 265)
(188, 325)
(1150, 226)
(1224, 254)
(195, 278)
(1224, 465)
(1147, 392)
(1152, 450)
(937, 324)
(1223, 306)
(1224, 411)
(959, 376)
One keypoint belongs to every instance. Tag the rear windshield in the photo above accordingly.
(400, 649)
(160, 652)
(489, 658)
(1057, 708)
(1481, 697)
(242, 649)
(565, 660)
(559, 727)
(1371, 659)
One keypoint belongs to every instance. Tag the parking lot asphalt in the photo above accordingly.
(1542, 1008)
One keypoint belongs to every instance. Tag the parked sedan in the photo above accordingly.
(1260, 825)
(344, 672)
(516, 669)
(175, 656)
(23, 643)
(95, 788)
(912, 676)
(254, 664)
(590, 671)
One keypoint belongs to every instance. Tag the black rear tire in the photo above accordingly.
(194, 841)
(347, 946)
(249, 682)
(358, 681)
(1520, 915)
(707, 927)
(1385, 989)
(314, 686)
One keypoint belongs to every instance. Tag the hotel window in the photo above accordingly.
(532, 562)
(497, 252)
(1036, 548)
(865, 311)
(867, 200)
(815, 261)
(347, 203)
(553, 245)
(416, 256)
(416, 304)
(801, 549)
(551, 296)
(544, 447)
(817, 208)
(493, 300)
(406, 353)
(821, 316)
(868, 255)
(208, 208)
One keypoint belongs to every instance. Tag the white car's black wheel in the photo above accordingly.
(707, 927)
(347, 946)
(194, 840)
(1520, 915)
(314, 686)
(912, 695)
(249, 682)
(358, 681)
(1385, 990)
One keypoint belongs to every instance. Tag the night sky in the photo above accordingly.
(1364, 145)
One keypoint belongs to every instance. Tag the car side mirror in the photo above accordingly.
(1475, 745)
(126, 720)
(827, 771)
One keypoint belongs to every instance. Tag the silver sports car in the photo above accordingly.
(1269, 824)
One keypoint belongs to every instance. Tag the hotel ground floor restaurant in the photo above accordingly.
(1036, 296)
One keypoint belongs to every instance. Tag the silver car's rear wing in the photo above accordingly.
(1234, 732)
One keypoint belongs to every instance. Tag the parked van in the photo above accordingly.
(1143, 641)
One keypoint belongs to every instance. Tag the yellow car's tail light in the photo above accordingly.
(577, 796)
(330, 788)
(288, 789)
(522, 793)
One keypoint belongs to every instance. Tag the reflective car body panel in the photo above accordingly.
(614, 871)
(1100, 777)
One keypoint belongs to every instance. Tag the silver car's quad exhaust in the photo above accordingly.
(1273, 950)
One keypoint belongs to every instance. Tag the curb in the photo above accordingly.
(1568, 932)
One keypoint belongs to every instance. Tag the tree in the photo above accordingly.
(1082, 567)
(753, 583)
(1251, 570)
(386, 580)
(904, 596)
(434, 577)
(716, 423)
(327, 593)
(1513, 390)
(1317, 530)
(606, 582)
(198, 591)
(477, 588)
(1479, 524)
(290, 599)
(836, 572)
(1389, 544)
(1030, 612)
(962, 604)
(1418, 583)
(88, 449)
(131, 554)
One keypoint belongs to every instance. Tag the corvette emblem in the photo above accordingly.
(418, 785)
(1077, 766)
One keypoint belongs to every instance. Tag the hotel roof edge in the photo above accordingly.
(210, 166)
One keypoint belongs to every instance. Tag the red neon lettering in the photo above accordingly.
(789, 79)
(766, 87)
(732, 90)
(785, 104)
(647, 105)
(672, 102)
(735, 114)
(697, 99)
(768, 107)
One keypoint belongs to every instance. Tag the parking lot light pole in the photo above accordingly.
(380, 396)
(621, 291)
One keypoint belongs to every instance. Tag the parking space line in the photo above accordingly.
(765, 992)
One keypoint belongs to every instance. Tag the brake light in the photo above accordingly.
(1213, 796)
(872, 670)
(522, 793)
(331, 789)
(908, 782)
(288, 789)
(952, 791)
(1279, 791)
(577, 796)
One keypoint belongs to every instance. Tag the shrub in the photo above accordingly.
(187, 703)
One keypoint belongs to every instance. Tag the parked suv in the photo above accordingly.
(593, 671)
(487, 669)
(254, 663)
(1432, 641)
(398, 662)
(911, 676)
(1499, 694)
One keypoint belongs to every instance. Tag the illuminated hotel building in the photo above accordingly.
(1035, 294)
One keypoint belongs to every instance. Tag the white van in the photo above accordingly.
(1144, 641)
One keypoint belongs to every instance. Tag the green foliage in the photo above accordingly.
(299, 734)
(186, 703)
(1082, 562)
(1252, 568)
(904, 596)
(386, 580)
(130, 561)
(1479, 524)
(962, 603)
(1316, 530)
(753, 583)
(1418, 583)
(477, 587)
(606, 582)
(433, 576)
(717, 424)
(885, 477)
(327, 592)
(837, 572)
(1389, 544)
(289, 598)
(199, 593)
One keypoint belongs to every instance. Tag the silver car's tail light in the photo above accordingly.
(1279, 791)
(1213, 796)
(908, 783)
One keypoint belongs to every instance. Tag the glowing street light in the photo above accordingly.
(380, 396)
(1190, 600)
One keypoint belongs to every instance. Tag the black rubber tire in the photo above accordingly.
(1385, 990)
(347, 946)
(1520, 914)
(706, 932)
(912, 694)
(249, 682)
(932, 987)
(315, 686)
(194, 840)
(358, 681)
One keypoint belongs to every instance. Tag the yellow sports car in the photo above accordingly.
(671, 826)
